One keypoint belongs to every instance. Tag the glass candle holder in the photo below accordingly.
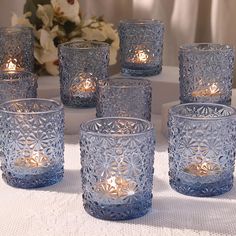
(33, 142)
(202, 143)
(16, 85)
(124, 98)
(141, 46)
(117, 156)
(16, 49)
(81, 65)
(206, 73)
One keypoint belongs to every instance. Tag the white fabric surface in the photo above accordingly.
(57, 210)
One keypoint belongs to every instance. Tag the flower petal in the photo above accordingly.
(52, 67)
(21, 21)
(45, 13)
(68, 10)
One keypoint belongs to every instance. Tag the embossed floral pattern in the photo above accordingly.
(17, 85)
(201, 148)
(141, 46)
(17, 43)
(33, 142)
(206, 72)
(124, 98)
(76, 61)
(117, 174)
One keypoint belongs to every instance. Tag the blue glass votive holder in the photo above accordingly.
(206, 73)
(32, 142)
(202, 144)
(81, 65)
(17, 85)
(16, 48)
(124, 98)
(117, 156)
(141, 47)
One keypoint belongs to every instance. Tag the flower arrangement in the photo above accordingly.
(58, 21)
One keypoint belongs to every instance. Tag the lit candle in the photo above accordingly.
(203, 169)
(211, 91)
(140, 56)
(117, 187)
(11, 66)
(85, 82)
(36, 160)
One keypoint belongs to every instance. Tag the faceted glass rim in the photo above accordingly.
(140, 22)
(198, 47)
(92, 45)
(119, 82)
(21, 74)
(15, 29)
(84, 125)
(58, 108)
(174, 111)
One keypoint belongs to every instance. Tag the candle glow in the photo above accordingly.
(84, 86)
(213, 90)
(11, 66)
(84, 82)
(140, 56)
(36, 160)
(117, 187)
(203, 169)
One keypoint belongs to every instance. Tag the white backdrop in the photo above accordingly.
(186, 20)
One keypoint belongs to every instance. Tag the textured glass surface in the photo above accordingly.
(202, 144)
(141, 46)
(125, 98)
(16, 48)
(206, 73)
(117, 156)
(33, 142)
(81, 65)
(17, 85)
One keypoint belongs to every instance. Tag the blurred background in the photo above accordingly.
(186, 21)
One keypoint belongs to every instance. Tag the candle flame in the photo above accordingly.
(84, 82)
(37, 160)
(139, 56)
(203, 169)
(142, 57)
(10, 65)
(117, 187)
(213, 90)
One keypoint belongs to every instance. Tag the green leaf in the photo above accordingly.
(31, 6)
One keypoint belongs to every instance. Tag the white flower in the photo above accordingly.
(101, 31)
(46, 51)
(53, 17)
(67, 9)
(52, 67)
(45, 13)
(93, 34)
(21, 21)
(113, 52)
(111, 34)
(109, 31)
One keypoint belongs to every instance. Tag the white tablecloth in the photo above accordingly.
(58, 210)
